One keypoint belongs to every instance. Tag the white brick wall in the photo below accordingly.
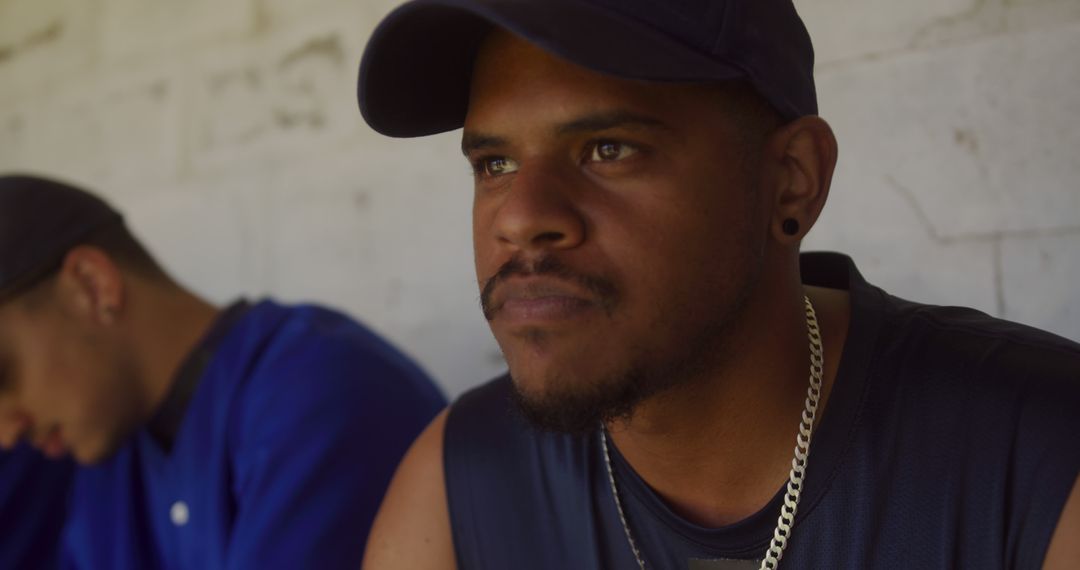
(228, 133)
(959, 152)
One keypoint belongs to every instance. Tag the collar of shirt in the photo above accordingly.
(166, 422)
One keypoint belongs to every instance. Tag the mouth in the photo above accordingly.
(533, 301)
(51, 443)
(544, 292)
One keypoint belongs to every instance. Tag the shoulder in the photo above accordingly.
(1019, 382)
(480, 409)
(317, 375)
(307, 334)
(412, 528)
(486, 435)
(972, 346)
(325, 354)
(970, 327)
(993, 402)
(486, 438)
(476, 421)
(497, 466)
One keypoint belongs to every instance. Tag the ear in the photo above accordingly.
(91, 285)
(806, 152)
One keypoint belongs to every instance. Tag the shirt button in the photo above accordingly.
(179, 513)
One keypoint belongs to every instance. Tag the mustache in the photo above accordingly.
(602, 289)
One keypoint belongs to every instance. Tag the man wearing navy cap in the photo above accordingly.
(645, 171)
(255, 436)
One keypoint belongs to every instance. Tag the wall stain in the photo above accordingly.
(233, 93)
(261, 18)
(222, 81)
(965, 138)
(302, 71)
(979, 9)
(158, 90)
(362, 200)
(326, 47)
(47, 35)
(288, 120)
(41, 37)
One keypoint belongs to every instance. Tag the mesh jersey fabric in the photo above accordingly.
(948, 442)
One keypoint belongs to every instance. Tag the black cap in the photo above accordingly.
(40, 220)
(416, 70)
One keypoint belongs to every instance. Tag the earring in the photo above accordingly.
(790, 227)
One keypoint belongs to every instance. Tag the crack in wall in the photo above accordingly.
(43, 36)
(978, 10)
(935, 236)
(994, 238)
(998, 21)
(999, 278)
(327, 46)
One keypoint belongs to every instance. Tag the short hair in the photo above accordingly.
(118, 243)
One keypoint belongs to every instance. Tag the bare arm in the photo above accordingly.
(412, 529)
(1064, 551)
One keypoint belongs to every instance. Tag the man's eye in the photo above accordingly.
(495, 166)
(610, 151)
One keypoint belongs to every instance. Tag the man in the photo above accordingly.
(258, 436)
(645, 171)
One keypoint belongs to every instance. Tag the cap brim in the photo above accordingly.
(417, 68)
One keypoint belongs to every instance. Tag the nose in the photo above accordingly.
(539, 212)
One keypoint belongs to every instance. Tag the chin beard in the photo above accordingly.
(581, 411)
(579, 406)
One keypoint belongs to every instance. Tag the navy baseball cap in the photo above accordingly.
(416, 70)
(40, 220)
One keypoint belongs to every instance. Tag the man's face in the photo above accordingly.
(63, 385)
(617, 228)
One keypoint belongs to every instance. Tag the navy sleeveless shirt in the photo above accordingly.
(950, 440)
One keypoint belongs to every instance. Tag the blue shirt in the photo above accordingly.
(281, 460)
(949, 441)
(33, 500)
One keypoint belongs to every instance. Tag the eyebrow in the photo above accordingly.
(472, 141)
(611, 120)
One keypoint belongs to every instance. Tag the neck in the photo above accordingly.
(171, 322)
(718, 448)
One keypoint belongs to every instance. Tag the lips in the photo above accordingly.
(51, 443)
(544, 290)
(535, 300)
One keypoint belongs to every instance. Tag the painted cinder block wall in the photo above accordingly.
(228, 133)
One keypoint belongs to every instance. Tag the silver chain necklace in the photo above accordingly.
(798, 464)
